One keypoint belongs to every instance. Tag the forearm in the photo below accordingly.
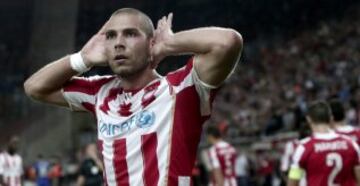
(292, 182)
(99, 164)
(216, 51)
(199, 41)
(80, 180)
(219, 178)
(50, 78)
(357, 174)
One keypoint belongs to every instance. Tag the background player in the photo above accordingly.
(339, 124)
(222, 158)
(327, 158)
(11, 165)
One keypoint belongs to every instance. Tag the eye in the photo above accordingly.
(110, 35)
(131, 33)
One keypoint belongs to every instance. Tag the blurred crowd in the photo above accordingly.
(278, 77)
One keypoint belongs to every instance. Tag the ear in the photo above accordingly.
(153, 63)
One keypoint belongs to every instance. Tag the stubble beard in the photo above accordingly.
(132, 72)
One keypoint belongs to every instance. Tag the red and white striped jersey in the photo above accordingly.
(350, 131)
(11, 168)
(286, 159)
(148, 136)
(328, 159)
(223, 156)
(289, 150)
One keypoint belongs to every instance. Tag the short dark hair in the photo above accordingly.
(148, 26)
(213, 131)
(337, 110)
(319, 112)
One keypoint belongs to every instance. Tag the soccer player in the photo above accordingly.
(339, 124)
(149, 126)
(327, 158)
(11, 166)
(289, 150)
(222, 157)
(91, 168)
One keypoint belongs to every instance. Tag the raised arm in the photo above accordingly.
(216, 50)
(45, 85)
(357, 174)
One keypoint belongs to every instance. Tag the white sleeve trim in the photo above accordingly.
(206, 84)
(73, 105)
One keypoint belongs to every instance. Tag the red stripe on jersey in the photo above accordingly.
(120, 165)
(176, 77)
(111, 96)
(186, 134)
(88, 106)
(148, 148)
(86, 86)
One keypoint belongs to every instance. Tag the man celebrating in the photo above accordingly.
(327, 158)
(149, 126)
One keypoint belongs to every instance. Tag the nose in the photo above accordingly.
(120, 43)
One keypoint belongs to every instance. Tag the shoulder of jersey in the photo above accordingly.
(304, 140)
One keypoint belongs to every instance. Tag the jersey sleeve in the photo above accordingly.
(286, 157)
(213, 158)
(357, 152)
(80, 92)
(186, 77)
(298, 163)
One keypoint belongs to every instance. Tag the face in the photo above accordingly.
(13, 145)
(127, 46)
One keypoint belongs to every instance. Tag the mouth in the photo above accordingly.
(120, 59)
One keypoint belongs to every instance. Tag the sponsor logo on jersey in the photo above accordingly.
(144, 119)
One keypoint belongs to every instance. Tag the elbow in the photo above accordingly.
(233, 41)
(229, 45)
(33, 90)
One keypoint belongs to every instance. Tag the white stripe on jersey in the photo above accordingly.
(108, 153)
(214, 161)
(72, 96)
(297, 155)
(135, 160)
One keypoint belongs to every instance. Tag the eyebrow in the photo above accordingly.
(125, 29)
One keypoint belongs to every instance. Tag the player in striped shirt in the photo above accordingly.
(11, 166)
(328, 159)
(149, 126)
(339, 124)
(222, 157)
(289, 150)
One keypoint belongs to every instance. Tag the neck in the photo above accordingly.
(138, 81)
(338, 124)
(215, 140)
(320, 128)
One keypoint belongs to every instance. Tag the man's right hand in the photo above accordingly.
(93, 53)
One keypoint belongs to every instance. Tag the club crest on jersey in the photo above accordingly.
(141, 120)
